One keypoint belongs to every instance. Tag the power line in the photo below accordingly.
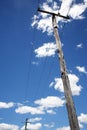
(31, 52)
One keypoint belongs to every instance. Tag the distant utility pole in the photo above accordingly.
(73, 121)
(26, 123)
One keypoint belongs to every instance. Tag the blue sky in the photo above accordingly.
(30, 83)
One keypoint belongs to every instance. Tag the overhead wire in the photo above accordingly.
(45, 60)
(47, 77)
(27, 87)
(41, 79)
(43, 68)
(31, 50)
(48, 73)
(38, 86)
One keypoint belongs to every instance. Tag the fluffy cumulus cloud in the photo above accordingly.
(36, 126)
(32, 120)
(65, 6)
(85, 1)
(50, 111)
(51, 125)
(43, 21)
(83, 118)
(58, 85)
(81, 69)
(77, 10)
(47, 49)
(64, 128)
(6, 105)
(44, 24)
(43, 105)
(4, 126)
(29, 109)
(50, 102)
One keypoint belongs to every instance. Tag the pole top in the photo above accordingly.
(51, 13)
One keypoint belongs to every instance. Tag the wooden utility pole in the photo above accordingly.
(26, 124)
(73, 120)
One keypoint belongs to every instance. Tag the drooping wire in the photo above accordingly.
(31, 50)
(29, 71)
(40, 80)
(42, 73)
(47, 77)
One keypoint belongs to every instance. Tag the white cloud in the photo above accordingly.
(43, 105)
(32, 120)
(49, 6)
(6, 105)
(51, 111)
(51, 125)
(50, 102)
(35, 20)
(77, 10)
(81, 69)
(4, 126)
(28, 109)
(85, 1)
(36, 126)
(53, 8)
(58, 85)
(65, 7)
(45, 25)
(64, 128)
(82, 118)
(79, 45)
(47, 49)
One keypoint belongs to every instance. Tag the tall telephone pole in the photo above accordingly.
(73, 121)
